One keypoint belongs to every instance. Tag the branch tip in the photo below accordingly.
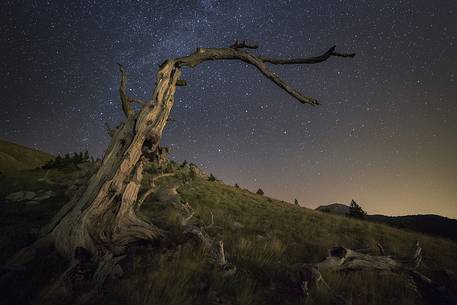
(243, 45)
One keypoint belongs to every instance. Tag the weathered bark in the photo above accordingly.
(102, 220)
(341, 259)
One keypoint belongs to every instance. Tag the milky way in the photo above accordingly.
(384, 135)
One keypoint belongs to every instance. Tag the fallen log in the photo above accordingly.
(341, 259)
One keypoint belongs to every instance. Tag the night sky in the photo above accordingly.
(385, 134)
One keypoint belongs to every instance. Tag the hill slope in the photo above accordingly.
(428, 224)
(262, 238)
(17, 157)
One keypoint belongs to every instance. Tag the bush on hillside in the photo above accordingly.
(68, 161)
(356, 210)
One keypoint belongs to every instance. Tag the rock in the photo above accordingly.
(236, 225)
(50, 193)
(29, 195)
(71, 189)
(41, 197)
(44, 195)
(20, 196)
(334, 208)
(197, 170)
(260, 237)
(17, 196)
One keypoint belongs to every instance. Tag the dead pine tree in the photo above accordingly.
(100, 221)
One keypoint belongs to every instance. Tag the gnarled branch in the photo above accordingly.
(234, 52)
(125, 99)
(152, 186)
(126, 107)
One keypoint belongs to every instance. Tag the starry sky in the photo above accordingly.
(385, 134)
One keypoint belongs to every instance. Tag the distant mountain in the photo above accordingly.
(429, 224)
(17, 157)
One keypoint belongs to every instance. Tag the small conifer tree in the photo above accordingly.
(355, 210)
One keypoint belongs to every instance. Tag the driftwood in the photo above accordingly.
(341, 259)
(102, 218)
(195, 227)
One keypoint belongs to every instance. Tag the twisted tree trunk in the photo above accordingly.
(101, 219)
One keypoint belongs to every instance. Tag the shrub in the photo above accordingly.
(260, 192)
(356, 210)
(192, 173)
(68, 161)
(211, 177)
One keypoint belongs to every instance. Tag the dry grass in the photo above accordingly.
(269, 237)
(275, 235)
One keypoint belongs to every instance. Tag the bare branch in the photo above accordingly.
(110, 131)
(381, 249)
(306, 60)
(285, 86)
(122, 92)
(222, 260)
(233, 53)
(186, 220)
(243, 45)
(211, 224)
(152, 187)
(181, 82)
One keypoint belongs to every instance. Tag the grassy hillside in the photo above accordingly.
(17, 157)
(263, 237)
(274, 235)
(435, 225)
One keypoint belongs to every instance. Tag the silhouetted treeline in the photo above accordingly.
(68, 161)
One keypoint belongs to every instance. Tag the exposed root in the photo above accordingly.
(131, 229)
